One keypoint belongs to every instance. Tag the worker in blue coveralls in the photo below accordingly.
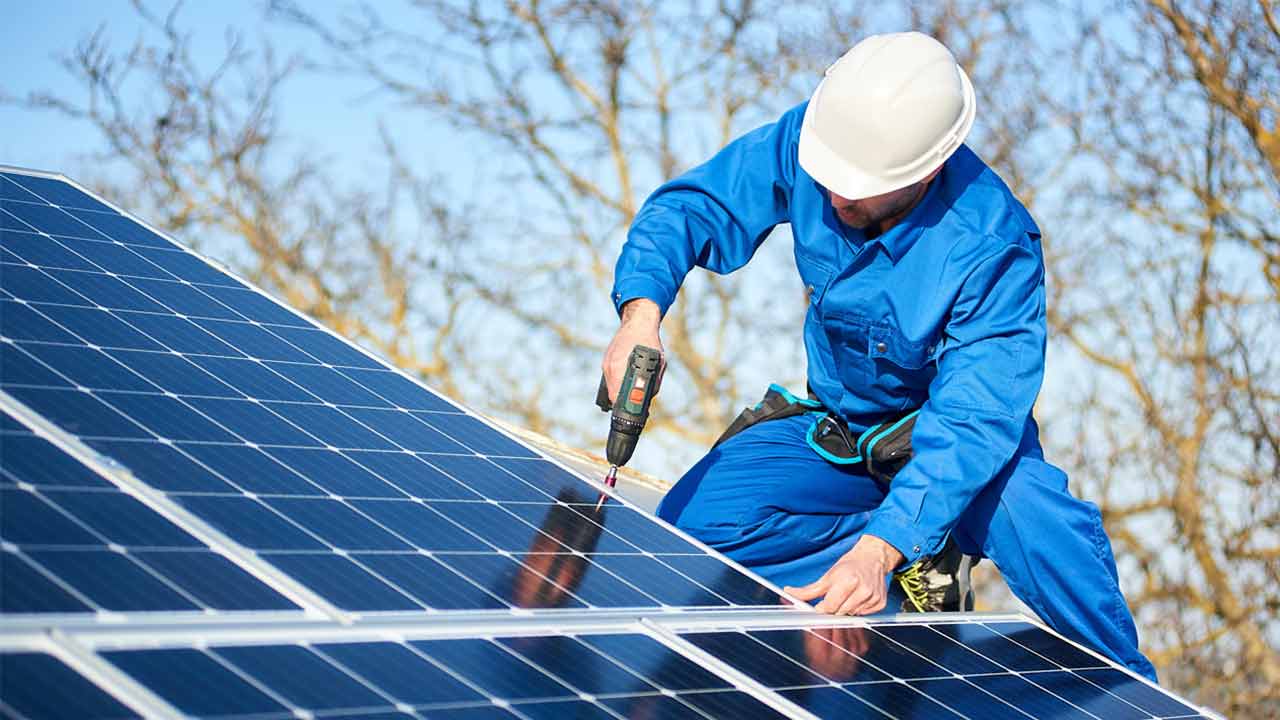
(926, 291)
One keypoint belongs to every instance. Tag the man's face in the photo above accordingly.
(874, 210)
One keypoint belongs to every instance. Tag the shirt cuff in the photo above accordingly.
(631, 288)
(898, 530)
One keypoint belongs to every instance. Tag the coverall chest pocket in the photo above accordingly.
(875, 358)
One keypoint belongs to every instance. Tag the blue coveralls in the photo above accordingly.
(944, 312)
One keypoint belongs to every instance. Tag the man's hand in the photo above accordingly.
(855, 585)
(640, 320)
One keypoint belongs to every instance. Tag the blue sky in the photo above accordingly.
(324, 113)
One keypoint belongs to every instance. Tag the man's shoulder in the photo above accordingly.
(981, 207)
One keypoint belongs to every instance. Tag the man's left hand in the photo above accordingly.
(855, 585)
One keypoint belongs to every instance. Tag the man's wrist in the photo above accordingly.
(641, 310)
(883, 550)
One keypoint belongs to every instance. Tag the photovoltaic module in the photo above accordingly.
(210, 506)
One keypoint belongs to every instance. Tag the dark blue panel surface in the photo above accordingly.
(1046, 645)
(1084, 695)
(830, 702)
(578, 664)
(26, 519)
(334, 472)
(500, 673)
(498, 527)
(342, 582)
(253, 340)
(54, 192)
(970, 700)
(638, 529)
(487, 478)
(121, 519)
(88, 368)
(755, 659)
(400, 673)
(185, 266)
(173, 373)
(1136, 692)
(109, 256)
(732, 705)
(337, 524)
(659, 580)
(111, 580)
(725, 581)
(421, 525)
(518, 584)
(184, 299)
(253, 422)
(161, 466)
(835, 653)
(37, 461)
(250, 523)
(256, 306)
(214, 580)
(330, 425)
(22, 322)
(657, 663)
(120, 228)
(991, 644)
(900, 701)
(328, 385)
(398, 390)
(179, 334)
(406, 431)
(251, 470)
(328, 349)
(37, 286)
(45, 251)
(99, 327)
(1031, 698)
(106, 291)
(939, 648)
(51, 220)
(193, 682)
(23, 589)
(253, 379)
(474, 434)
(303, 678)
(429, 582)
(20, 368)
(79, 413)
(413, 476)
(166, 417)
(41, 686)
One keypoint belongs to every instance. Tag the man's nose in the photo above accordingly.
(839, 202)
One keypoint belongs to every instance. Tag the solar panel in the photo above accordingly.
(73, 543)
(211, 506)
(319, 459)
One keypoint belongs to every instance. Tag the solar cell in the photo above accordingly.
(921, 670)
(546, 675)
(89, 546)
(38, 685)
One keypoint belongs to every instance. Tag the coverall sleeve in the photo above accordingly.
(989, 374)
(713, 216)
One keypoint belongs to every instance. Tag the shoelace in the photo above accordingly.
(912, 581)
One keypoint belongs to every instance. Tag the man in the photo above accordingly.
(926, 290)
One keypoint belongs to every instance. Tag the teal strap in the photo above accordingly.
(823, 452)
(871, 446)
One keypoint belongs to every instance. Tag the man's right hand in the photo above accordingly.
(640, 320)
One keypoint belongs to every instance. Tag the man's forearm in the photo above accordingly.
(641, 310)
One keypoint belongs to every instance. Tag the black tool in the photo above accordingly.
(630, 409)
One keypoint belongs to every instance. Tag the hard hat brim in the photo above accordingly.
(847, 180)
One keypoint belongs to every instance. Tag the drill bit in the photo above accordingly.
(610, 479)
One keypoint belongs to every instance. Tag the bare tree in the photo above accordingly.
(1171, 303)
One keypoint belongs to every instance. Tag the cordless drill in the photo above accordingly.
(630, 409)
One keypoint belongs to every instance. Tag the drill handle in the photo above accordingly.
(603, 401)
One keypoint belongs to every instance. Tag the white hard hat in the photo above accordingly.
(888, 113)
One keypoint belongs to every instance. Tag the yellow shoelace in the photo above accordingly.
(912, 581)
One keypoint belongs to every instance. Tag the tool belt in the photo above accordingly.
(883, 449)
